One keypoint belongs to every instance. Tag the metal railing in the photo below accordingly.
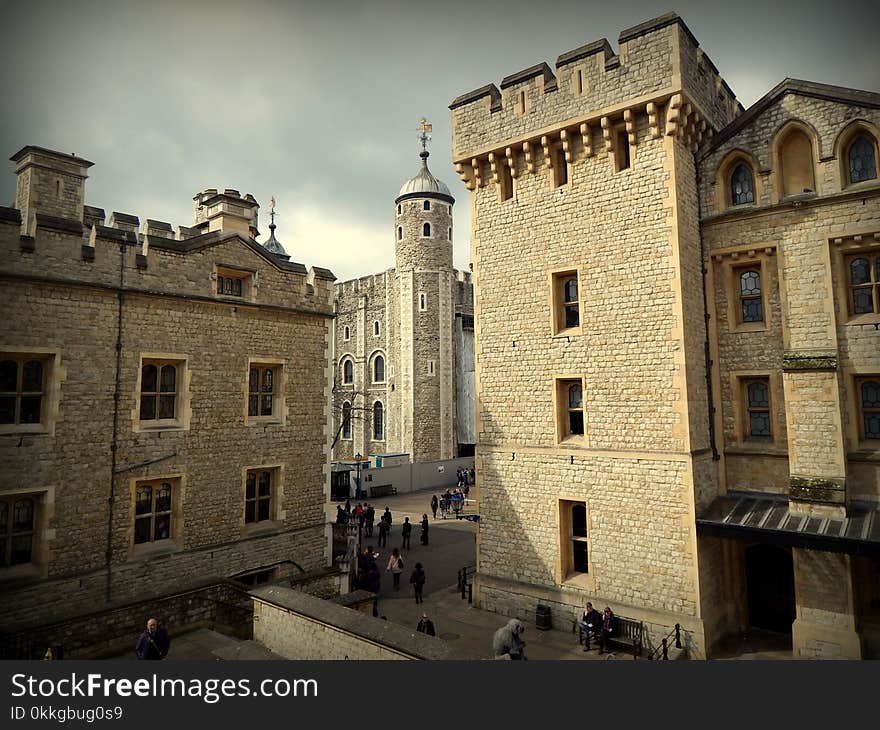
(662, 651)
(466, 582)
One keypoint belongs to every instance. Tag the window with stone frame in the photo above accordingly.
(622, 151)
(378, 421)
(742, 185)
(17, 529)
(751, 303)
(565, 301)
(573, 538)
(24, 380)
(570, 414)
(861, 158)
(426, 205)
(868, 400)
(264, 391)
(560, 166)
(346, 421)
(379, 369)
(346, 333)
(756, 397)
(258, 496)
(160, 391)
(426, 230)
(863, 277)
(347, 372)
(154, 510)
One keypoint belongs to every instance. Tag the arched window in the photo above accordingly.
(347, 372)
(861, 159)
(378, 421)
(379, 369)
(864, 283)
(572, 308)
(399, 208)
(751, 305)
(426, 205)
(870, 397)
(742, 185)
(346, 420)
(376, 328)
(399, 233)
(346, 333)
(758, 397)
(796, 164)
(426, 230)
(575, 410)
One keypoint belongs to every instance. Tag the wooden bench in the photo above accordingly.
(383, 490)
(627, 634)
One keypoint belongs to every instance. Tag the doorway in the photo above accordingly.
(770, 586)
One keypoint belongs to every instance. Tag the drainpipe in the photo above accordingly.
(113, 439)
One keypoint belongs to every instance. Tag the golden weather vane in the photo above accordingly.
(425, 130)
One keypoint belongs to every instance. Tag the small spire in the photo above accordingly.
(272, 213)
(273, 245)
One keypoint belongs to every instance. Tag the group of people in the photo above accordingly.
(465, 478)
(599, 626)
(449, 502)
(369, 577)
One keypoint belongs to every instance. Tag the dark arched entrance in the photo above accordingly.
(770, 585)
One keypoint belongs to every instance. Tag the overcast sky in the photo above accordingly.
(317, 103)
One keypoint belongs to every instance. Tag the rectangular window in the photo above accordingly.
(868, 403)
(505, 180)
(863, 278)
(423, 302)
(234, 282)
(431, 367)
(565, 302)
(258, 496)
(570, 417)
(17, 520)
(160, 396)
(751, 303)
(621, 149)
(573, 542)
(153, 510)
(756, 396)
(560, 167)
(23, 389)
(263, 390)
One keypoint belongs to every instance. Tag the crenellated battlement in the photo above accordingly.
(369, 286)
(659, 75)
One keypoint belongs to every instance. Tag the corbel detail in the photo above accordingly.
(475, 164)
(548, 159)
(673, 115)
(566, 145)
(527, 151)
(587, 140)
(493, 166)
(653, 120)
(468, 180)
(606, 135)
(629, 119)
(511, 162)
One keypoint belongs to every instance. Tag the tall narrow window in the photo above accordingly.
(862, 159)
(522, 102)
(751, 306)
(346, 420)
(347, 372)
(398, 208)
(376, 328)
(16, 530)
(152, 512)
(423, 303)
(869, 392)
(864, 283)
(579, 85)
(261, 391)
(379, 369)
(258, 496)
(346, 333)
(426, 205)
(426, 230)
(621, 150)
(378, 421)
(399, 233)
(22, 389)
(572, 307)
(566, 313)
(505, 179)
(575, 410)
(158, 391)
(742, 185)
(758, 408)
(560, 167)
(573, 539)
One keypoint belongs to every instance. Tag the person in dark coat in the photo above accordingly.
(418, 582)
(406, 532)
(426, 626)
(434, 504)
(590, 625)
(386, 515)
(383, 532)
(341, 515)
(348, 506)
(424, 536)
(369, 519)
(609, 628)
(153, 643)
(374, 578)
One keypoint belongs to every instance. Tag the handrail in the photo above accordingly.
(663, 647)
(464, 585)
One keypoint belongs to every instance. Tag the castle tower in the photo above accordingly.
(423, 252)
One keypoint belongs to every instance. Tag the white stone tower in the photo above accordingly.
(423, 400)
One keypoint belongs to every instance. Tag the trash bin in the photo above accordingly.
(543, 619)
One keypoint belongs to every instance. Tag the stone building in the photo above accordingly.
(404, 340)
(161, 400)
(677, 356)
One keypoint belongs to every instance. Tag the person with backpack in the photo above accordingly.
(383, 532)
(395, 567)
(406, 532)
(418, 582)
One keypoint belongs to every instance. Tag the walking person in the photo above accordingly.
(386, 515)
(395, 567)
(383, 532)
(418, 582)
(426, 626)
(434, 504)
(406, 532)
(369, 518)
(423, 538)
(154, 643)
(348, 506)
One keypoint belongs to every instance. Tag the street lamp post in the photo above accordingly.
(357, 485)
